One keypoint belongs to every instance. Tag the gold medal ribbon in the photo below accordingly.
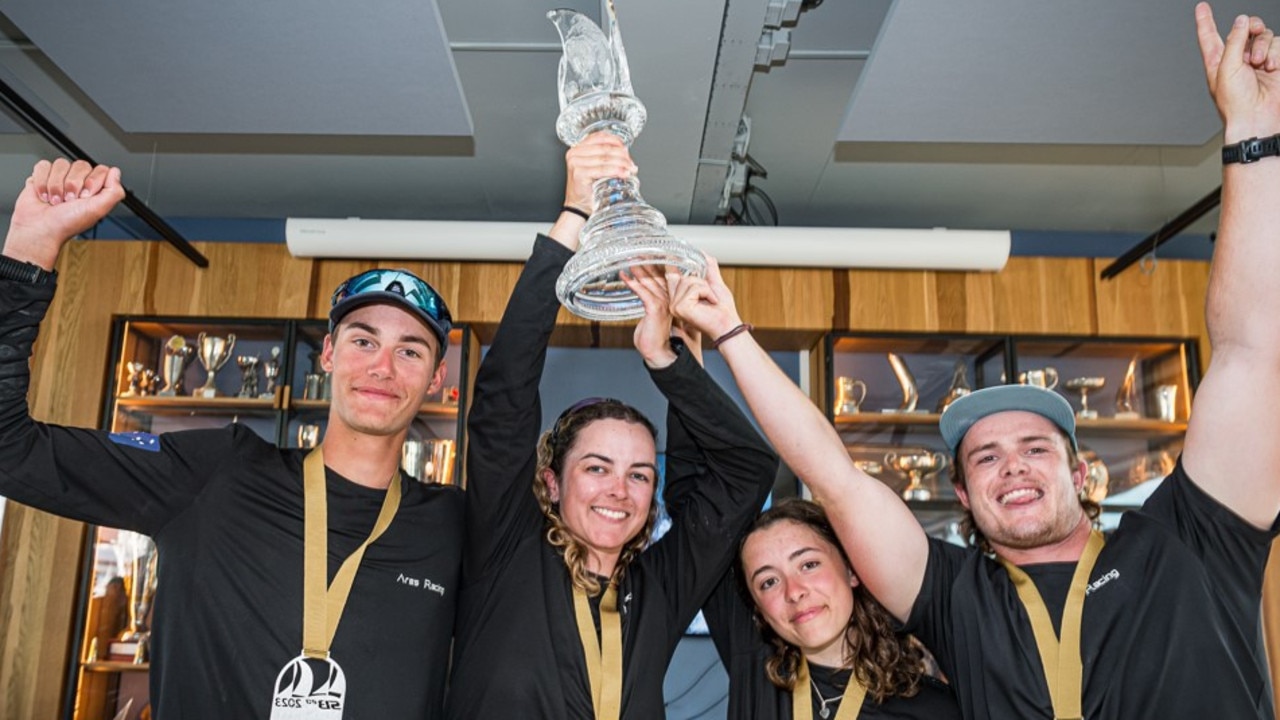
(322, 609)
(1063, 668)
(604, 659)
(802, 700)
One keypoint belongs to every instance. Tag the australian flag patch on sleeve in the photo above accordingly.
(140, 440)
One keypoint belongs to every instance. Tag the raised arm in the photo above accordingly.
(883, 540)
(60, 200)
(505, 415)
(1231, 449)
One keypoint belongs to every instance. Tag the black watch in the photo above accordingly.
(19, 271)
(1251, 150)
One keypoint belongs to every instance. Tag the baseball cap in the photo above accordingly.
(394, 287)
(964, 412)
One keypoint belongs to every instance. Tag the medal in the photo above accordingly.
(309, 689)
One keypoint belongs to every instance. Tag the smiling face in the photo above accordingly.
(383, 361)
(802, 587)
(605, 488)
(1019, 482)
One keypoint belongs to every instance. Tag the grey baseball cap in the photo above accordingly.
(963, 413)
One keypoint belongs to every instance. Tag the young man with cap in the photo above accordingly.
(1162, 618)
(253, 616)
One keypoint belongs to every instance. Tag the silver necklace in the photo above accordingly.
(824, 712)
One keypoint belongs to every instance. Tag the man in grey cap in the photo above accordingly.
(1162, 618)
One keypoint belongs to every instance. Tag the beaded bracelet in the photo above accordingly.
(741, 328)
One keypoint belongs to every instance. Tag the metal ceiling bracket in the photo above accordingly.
(32, 118)
(1166, 233)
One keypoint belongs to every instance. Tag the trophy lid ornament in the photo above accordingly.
(623, 230)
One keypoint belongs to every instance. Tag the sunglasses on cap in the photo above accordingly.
(397, 287)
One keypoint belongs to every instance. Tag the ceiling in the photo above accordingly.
(1088, 118)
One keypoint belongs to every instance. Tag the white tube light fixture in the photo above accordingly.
(935, 249)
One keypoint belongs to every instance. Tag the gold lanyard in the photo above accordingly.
(321, 610)
(802, 701)
(604, 659)
(1063, 669)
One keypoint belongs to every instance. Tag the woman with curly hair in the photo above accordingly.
(566, 612)
(797, 633)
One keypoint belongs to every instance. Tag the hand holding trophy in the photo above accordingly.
(624, 230)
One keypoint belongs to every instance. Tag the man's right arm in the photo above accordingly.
(883, 540)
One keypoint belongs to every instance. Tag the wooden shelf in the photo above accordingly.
(184, 404)
(882, 419)
(112, 666)
(433, 409)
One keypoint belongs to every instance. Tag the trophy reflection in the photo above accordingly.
(1083, 385)
(596, 95)
(140, 553)
(177, 355)
(214, 352)
(917, 466)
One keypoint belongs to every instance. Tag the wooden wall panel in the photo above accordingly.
(39, 553)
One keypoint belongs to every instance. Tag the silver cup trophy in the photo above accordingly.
(916, 466)
(214, 352)
(271, 371)
(177, 355)
(248, 365)
(1083, 385)
(624, 230)
(140, 553)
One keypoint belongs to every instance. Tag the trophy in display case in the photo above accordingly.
(958, 389)
(910, 394)
(916, 466)
(134, 382)
(248, 365)
(271, 371)
(1046, 378)
(1083, 385)
(139, 552)
(1127, 394)
(623, 231)
(177, 355)
(214, 352)
(849, 395)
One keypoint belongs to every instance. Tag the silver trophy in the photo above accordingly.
(248, 365)
(910, 394)
(958, 389)
(214, 352)
(916, 466)
(624, 230)
(1127, 393)
(271, 371)
(140, 553)
(1083, 385)
(177, 354)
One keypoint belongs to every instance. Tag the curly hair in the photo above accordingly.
(885, 662)
(553, 446)
(968, 526)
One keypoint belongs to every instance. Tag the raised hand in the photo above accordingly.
(703, 303)
(60, 200)
(600, 155)
(1243, 74)
(653, 332)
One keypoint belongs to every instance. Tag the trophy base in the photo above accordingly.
(206, 393)
(1128, 415)
(167, 393)
(1087, 415)
(917, 493)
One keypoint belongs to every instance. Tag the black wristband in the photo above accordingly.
(1251, 150)
(575, 211)
(20, 271)
(736, 331)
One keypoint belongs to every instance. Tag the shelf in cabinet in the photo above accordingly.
(878, 419)
(433, 409)
(113, 666)
(167, 405)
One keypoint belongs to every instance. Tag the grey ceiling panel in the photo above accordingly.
(1009, 71)
(238, 66)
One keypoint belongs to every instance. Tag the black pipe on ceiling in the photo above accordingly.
(1166, 233)
(31, 117)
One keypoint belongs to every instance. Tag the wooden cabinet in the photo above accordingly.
(1132, 396)
(266, 376)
